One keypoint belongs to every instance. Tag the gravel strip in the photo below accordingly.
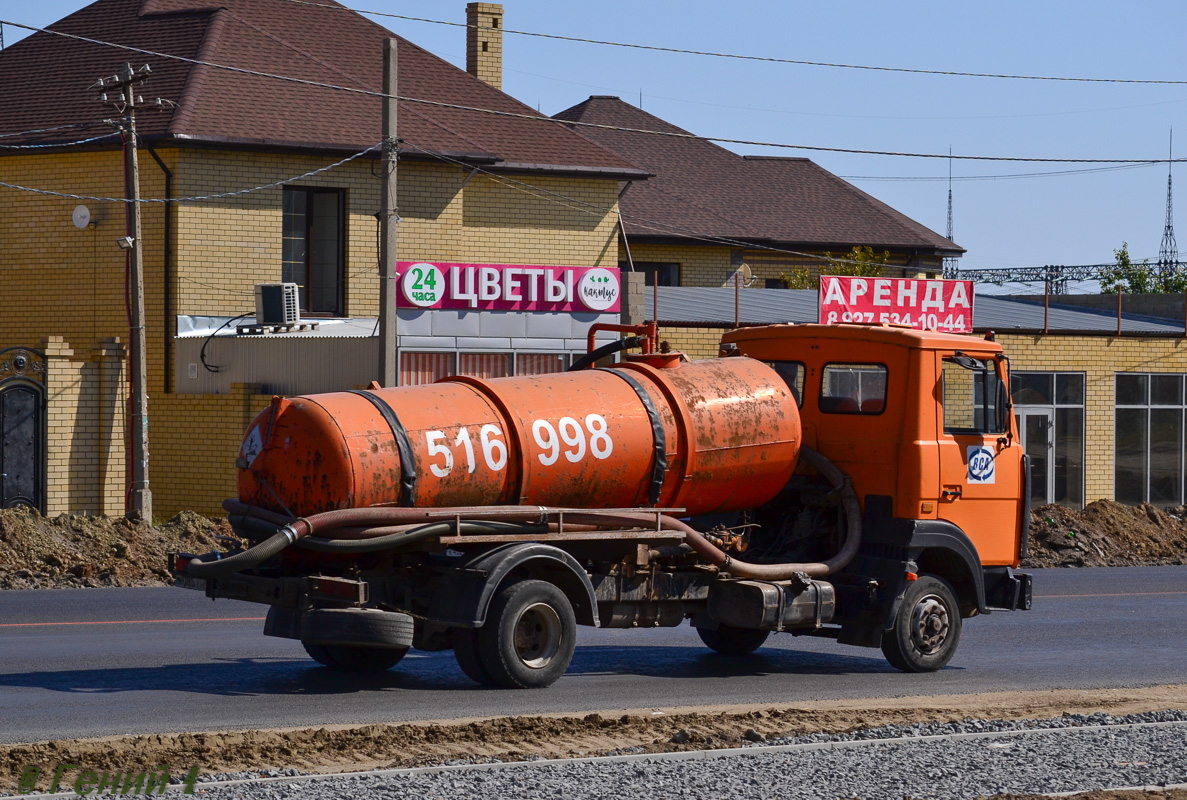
(1056, 757)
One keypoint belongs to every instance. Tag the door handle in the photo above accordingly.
(952, 494)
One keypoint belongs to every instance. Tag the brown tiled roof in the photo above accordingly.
(700, 188)
(44, 81)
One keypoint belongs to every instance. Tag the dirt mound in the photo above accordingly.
(414, 744)
(1107, 534)
(73, 551)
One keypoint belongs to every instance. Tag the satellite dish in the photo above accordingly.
(81, 217)
(747, 274)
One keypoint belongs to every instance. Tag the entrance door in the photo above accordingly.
(1036, 427)
(22, 428)
(20, 421)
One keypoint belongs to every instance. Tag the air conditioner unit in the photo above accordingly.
(277, 304)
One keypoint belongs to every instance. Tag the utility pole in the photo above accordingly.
(388, 223)
(140, 497)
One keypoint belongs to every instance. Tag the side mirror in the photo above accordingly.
(1002, 407)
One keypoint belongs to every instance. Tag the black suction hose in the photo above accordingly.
(219, 568)
(605, 350)
(253, 557)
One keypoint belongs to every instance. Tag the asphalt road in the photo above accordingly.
(93, 662)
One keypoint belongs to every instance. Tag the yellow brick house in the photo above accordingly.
(473, 187)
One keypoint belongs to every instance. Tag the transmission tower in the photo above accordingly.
(1168, 252)
(950, 268)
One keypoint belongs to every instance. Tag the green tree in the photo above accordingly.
(860, 262)
(1129, 278)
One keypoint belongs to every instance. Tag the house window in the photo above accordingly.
(666, 274)
(1049, 411)
(314, 247)
(1148, 439)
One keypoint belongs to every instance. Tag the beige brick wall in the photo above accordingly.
(62, 281)
(86, 401)
(195, 441)
(227, 246)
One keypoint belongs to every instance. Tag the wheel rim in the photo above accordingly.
(537, 635)
(930, 625)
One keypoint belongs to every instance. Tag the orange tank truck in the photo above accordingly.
(861, 483)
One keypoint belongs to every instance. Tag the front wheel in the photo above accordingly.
(927, 628)
(529, 636)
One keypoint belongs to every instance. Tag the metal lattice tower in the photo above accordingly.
(1168, 252)
(950, 268)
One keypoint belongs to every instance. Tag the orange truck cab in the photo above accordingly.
(921, 424)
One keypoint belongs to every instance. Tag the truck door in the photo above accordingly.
(980, 460)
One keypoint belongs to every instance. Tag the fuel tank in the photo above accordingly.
(707, 436)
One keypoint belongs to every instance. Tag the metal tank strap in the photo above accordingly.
(403, 446)
(660, 471)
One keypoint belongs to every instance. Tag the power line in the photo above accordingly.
(58, 144)
(743, 57)
(74, 126)
(198, 198)
(618, 128)
(1008, 176)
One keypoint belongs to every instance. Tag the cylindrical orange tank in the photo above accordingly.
(728, 430)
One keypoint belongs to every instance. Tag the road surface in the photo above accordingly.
(94, 662)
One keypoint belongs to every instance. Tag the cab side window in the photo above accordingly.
(853, 389)
(792, 373)
(970, 394)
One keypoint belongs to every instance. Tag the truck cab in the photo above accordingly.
(921, 424)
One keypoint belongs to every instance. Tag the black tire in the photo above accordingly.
(357, 627)
(352, 658)
(731, 641)
(320, 654)
(465, 650)
(927, 628)
(529, 636)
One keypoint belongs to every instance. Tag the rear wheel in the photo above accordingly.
(927, 628)
(731, 641)
(529, 636)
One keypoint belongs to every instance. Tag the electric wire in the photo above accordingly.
(58, 144)
(198, 198)
(73, 126)
(622, 129)
(744, 57)
(1007, 176)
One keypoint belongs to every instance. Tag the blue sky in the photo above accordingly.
(1070, 219)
